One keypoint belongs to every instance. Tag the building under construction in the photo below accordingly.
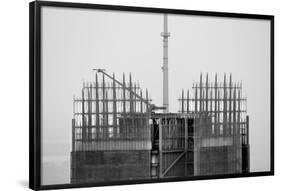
(119, 134)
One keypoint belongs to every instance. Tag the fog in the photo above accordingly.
(74, 41)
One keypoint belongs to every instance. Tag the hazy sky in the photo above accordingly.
(74, 41)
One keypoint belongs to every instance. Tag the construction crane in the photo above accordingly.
(151, 106)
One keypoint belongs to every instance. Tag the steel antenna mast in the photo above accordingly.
(165, 34)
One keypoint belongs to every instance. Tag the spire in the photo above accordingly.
(165, 34)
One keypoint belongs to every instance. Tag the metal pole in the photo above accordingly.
(225, 129)
(216, 105)
(200, 94)
(187, 102)
(165, 34)
(182, 102)
(160, 149)
(114, 109)
(206, 107)
(97, 109)
(230, 106)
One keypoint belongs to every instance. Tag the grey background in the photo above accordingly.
(74, 41)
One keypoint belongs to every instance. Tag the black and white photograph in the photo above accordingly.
(153, 96)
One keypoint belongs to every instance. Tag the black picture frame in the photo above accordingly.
(35, 90)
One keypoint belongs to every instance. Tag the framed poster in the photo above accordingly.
(128, 95)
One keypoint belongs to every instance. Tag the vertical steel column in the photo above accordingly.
(239, 111)
(124, 108)
(160, 148)
(73, 135)
(97, 109)
(211, 111)
(103, 107)
(129, 127)
(131, 95)
(200, 94)
(103, 126)
(141, 102)
(147, 116)
(225, 129)
(135, 122)
(247, 129)
(230, 127)
(203, 100)
(216, 105)
(185, 144)
(89, 113)
(234, 112)
(195, 105)
(106, 115)
(135, 98)
(182, 102)
(206, 108)
(219, 113)
(124, 94)
(114, 108)
(83, 120)
(147, 106)
(187, 102)
(73, 125)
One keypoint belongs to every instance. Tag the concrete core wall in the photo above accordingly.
(97, 166)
